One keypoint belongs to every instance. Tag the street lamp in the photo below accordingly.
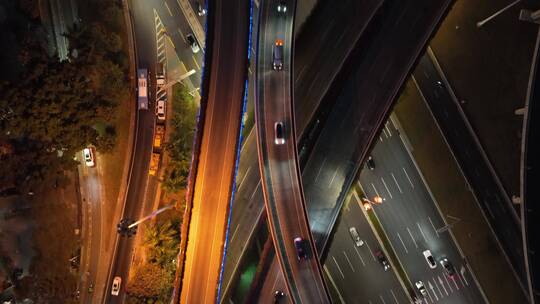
(367, 203)
(497, 13)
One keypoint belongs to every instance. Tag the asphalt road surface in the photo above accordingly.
(413, 223)
(490, 195)
(226, 57)
(282, 188)
(138, 179)
(248, 206)
(384, 59)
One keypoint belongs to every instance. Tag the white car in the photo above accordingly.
(356, 237)
(429, 259)
(160, 109)
(421, 288)
(116, 286)
(89, 159)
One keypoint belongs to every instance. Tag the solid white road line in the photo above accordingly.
(402, 243)
(412, 238)
(446, 279)
(394, 296)
(438, 288)
(333, 177)
(384, 132)
(395, 180)
(255, 191)
(382, 299)
(421, 232)
(433, 226)
(334, 284)
(464, 279)
(442, 284)
(244, 178)
(433, 290)
(408, 177)
(168, 9)
(387, 129)
(453, 280)
(349, 261)
(196, 64)
(339, 268)
(380, 138)
(234, 233)
(371, 252)
(359, 256)
(320, 169)
(388, 190)
(375, 189)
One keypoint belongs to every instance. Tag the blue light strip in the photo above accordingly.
(239, 148)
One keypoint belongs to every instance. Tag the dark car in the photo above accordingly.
(370, 163)
(282, 7)
(449, 269)
(201, 10)
(279, 138)
(278, 295)
(301, 248)
(277, 55)
(193, 43)
(382, 259)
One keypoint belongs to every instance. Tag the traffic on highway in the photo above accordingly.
(266, 151)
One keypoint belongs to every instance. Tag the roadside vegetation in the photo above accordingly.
(49, 111)
(153, 280)
(179, 147)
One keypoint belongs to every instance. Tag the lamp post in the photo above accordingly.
(497, 13)
(367, 203)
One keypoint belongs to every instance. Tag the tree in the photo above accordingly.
(150, 282)
(162, 240)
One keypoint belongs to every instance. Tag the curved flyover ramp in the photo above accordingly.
(278, 157)
(215, 153)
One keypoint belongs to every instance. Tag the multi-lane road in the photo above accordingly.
(218, 133)
(278, 158)
(468, 152)
(413, 222)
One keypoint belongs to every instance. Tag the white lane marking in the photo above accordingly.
(168, 9)
(388, 190)
(359, 256)
(415, 245)
(256, 3)
(382, 299)
(320, 169)
(334, 284)
(384, 132)
(442, 284)
(371, 252)
(333, 177)
(234, 233)
(369, 301)
(244, 178)
(380, 138)
(181, 35)
(433, 226)
(394, 296)
(349, 261)
(446, 279)
(339, 268)
(464, 279)
(387, 129)
(375, 189)
(408, 177)
(402, 243)
(433, 290)
(429, 295)
(453, 280)
(254, 191)
(195, 61)
(395, 180)
(421, 232)
(438, 288)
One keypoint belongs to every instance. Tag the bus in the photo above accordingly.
(142, 77)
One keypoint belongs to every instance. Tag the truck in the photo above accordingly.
(142, 81)
(158, 136)
(154, 164)
(160, 75)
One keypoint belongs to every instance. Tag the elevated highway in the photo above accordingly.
(212, 174)
(278, 157)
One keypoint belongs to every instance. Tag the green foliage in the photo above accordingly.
(151, 284)
(179, 147)
(162, 240)
(51, 111)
